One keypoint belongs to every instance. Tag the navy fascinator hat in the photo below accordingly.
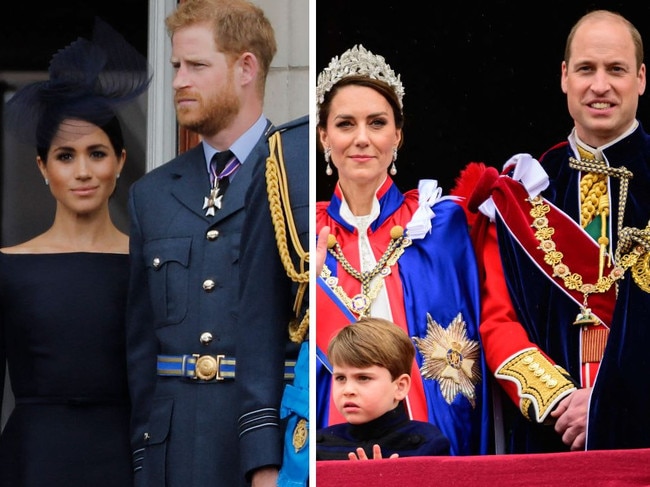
(88, 80)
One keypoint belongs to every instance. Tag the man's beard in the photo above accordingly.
(212, 115)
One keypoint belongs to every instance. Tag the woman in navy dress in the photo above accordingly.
(63, 293)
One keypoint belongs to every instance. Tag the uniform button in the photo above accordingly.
(206, 337)
(212, 234)
(156, 262)
(208, 285)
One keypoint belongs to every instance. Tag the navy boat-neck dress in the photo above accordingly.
(62, 337)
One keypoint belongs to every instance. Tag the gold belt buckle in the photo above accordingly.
(208, 367)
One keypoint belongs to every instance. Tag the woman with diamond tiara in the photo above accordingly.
(63, 293)
(405, 257)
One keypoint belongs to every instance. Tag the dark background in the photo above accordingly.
(482, 80)
(31, 34)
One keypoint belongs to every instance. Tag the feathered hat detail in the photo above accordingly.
(88, 80)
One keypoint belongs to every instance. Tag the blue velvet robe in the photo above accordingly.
(620, 401)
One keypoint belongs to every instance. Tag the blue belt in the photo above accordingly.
(206, 367)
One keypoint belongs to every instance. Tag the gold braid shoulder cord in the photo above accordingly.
(278, 195)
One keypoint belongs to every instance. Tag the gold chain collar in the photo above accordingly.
(553, 257)
(632, 244)
(360, 303)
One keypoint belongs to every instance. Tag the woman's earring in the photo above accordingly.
(328, 156)
(47, 182)
(118, 176)
(393, 169)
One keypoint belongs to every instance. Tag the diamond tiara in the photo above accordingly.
(357, 61)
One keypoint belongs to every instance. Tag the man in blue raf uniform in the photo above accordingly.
(187, 217)
(273, 311)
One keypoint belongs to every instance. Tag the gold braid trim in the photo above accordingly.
(593, 187)
(278, 194)
(541, 384)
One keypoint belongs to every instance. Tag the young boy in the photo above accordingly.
(371, 362)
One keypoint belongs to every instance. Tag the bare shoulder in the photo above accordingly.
(115, 242)
(29, 247)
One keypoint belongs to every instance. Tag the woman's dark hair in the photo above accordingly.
(379, 86)
(112, 128)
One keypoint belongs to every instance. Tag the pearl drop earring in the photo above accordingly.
(393, 168)
(328, 155)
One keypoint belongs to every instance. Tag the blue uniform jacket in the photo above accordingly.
(184, 283)
(266, 307)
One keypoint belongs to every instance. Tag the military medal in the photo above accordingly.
(212, 202)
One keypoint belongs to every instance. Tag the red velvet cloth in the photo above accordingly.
(602, 468)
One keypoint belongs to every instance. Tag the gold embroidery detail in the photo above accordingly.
(451, 358)
(541, 384)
